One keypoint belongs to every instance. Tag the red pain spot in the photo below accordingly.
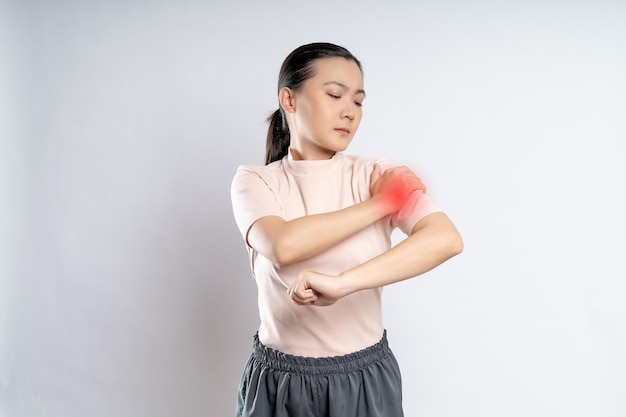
(398, 193)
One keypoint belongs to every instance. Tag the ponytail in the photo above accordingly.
(277, 144)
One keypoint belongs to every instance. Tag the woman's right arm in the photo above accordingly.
(285, 242)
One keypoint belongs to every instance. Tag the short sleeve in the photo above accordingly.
(251, 198)
(418, 206)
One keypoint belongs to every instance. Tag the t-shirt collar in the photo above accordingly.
(318, 167)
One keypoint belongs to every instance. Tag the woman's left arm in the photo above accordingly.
(433, 240)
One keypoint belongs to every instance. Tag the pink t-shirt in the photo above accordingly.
(292, 189)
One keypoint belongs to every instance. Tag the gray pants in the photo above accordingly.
(366, 383)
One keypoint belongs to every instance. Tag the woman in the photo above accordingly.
(317, 226)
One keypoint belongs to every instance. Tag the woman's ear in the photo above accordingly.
(287, 100)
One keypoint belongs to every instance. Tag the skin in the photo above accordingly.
(323, 116)
(323, 106)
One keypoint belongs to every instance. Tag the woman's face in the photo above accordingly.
(326, 109)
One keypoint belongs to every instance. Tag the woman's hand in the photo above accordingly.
(313, 288)
(395, 185)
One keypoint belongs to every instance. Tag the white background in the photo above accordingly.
(125, 288)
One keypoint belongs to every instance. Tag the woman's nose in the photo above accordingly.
(349, 113)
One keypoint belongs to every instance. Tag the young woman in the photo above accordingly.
(317, 226)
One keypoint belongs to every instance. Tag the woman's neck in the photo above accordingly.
(300, 155)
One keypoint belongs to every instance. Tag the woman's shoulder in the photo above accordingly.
(254, 175)
(273, 167)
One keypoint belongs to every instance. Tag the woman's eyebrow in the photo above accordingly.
(345, 87)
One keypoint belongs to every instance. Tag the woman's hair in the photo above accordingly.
(297, 68)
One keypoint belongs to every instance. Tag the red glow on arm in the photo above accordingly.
(397, 193)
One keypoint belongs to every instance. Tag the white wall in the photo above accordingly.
(125, 288)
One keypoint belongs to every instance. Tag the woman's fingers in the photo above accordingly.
(396, 184)
(409, 178)
(301, 294)
(394, 178)
(307, 296)
(313, 288)
(376, 173)
(374, 178)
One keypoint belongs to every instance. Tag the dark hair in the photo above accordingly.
(297, 68)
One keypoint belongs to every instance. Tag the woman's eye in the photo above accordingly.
(334, 95)
(358, 103)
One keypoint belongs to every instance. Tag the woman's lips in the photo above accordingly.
(343, 130)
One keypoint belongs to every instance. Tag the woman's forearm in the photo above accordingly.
(286, 242)
(433, 241)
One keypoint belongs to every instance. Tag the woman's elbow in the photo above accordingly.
(453, 239)
(282, 253)
(455, 244)
(444, 238)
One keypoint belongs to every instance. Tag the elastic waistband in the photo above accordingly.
(320, 366)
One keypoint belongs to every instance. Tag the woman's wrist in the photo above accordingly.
(383, 205)
(347, 283)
